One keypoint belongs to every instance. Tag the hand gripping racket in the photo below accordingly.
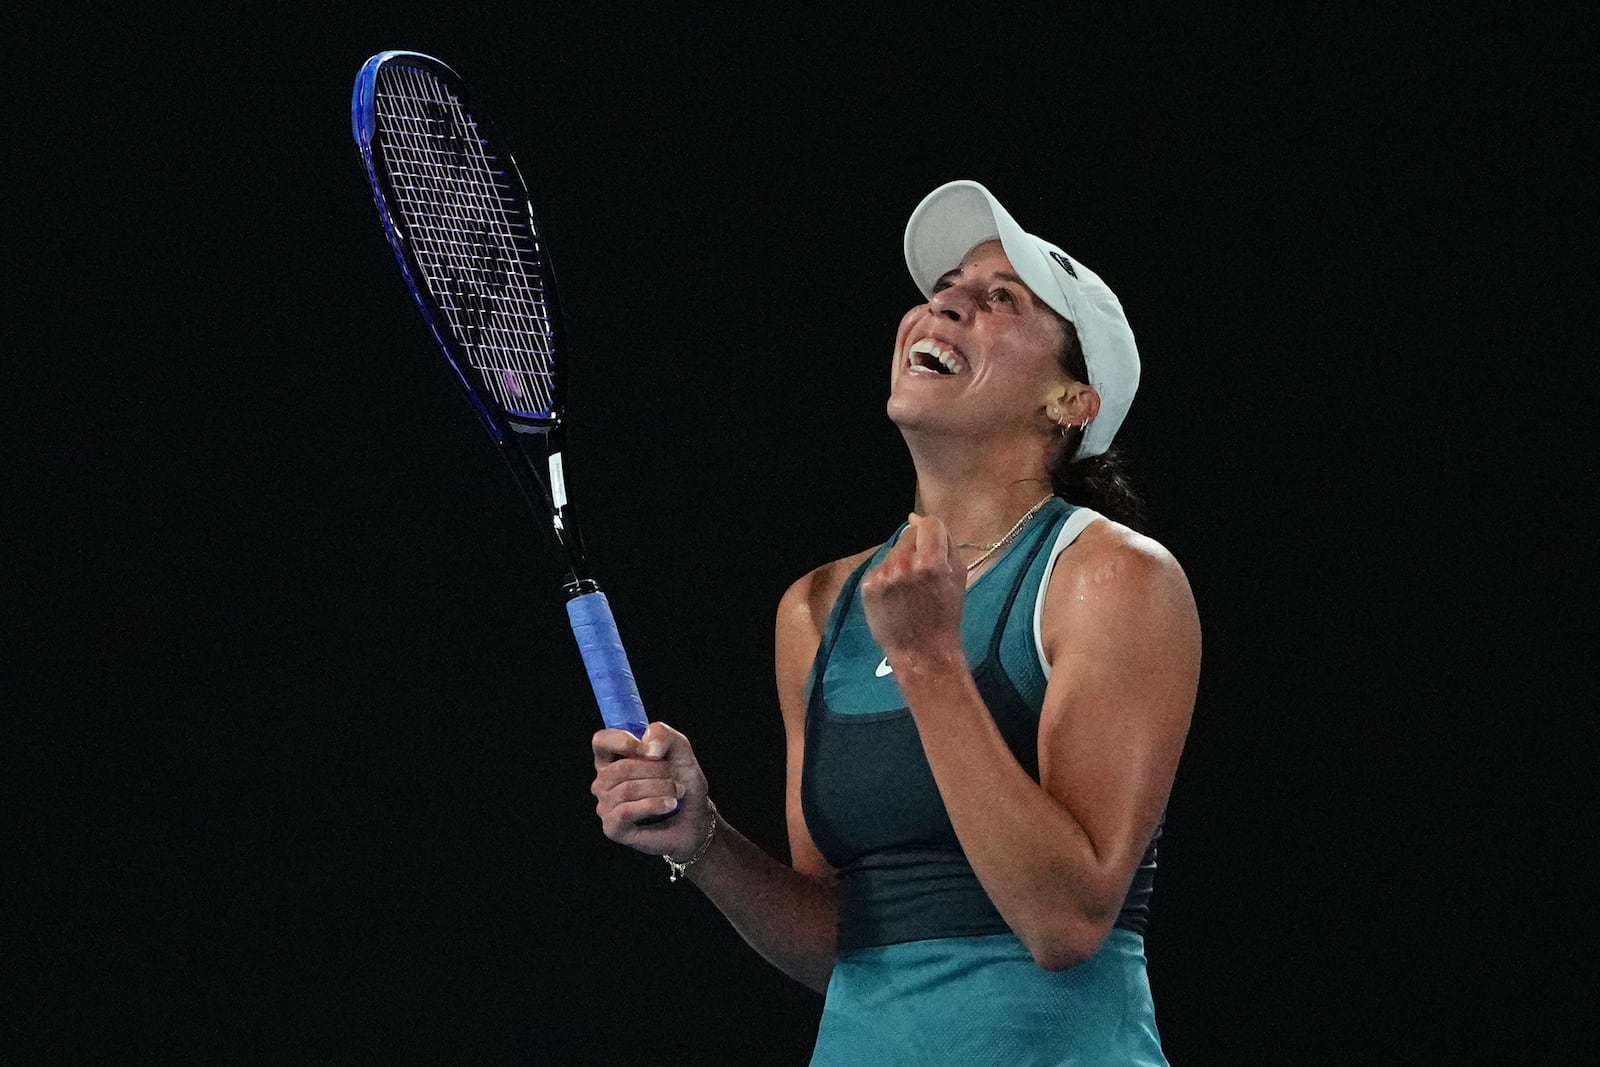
(461, 222)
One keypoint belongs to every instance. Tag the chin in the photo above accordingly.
(913, 416)
(903, 412)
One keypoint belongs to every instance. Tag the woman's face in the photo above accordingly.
(980, 355)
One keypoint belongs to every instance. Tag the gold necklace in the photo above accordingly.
(989, 550)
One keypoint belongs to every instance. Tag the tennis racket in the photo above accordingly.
(462, 225)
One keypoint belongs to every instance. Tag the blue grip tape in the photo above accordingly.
(607, 663)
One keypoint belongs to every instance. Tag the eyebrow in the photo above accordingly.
(1003, 275)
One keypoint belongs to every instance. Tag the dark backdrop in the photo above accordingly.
(300, 737)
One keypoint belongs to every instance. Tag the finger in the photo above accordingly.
(608, 776)
(637, 821)
(658, 741)
(931, 550)
(645, 812)
(611, 745)
(933, 543)
(900, 553)
(893, 567)
(676, 754)
(634, 790)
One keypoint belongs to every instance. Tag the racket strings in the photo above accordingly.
(471, 237)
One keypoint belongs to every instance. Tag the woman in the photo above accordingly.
(984, 716)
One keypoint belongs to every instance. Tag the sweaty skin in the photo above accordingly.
(1119, 629)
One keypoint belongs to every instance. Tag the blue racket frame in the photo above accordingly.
(531, 438)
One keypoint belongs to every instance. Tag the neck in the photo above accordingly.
(979, 493)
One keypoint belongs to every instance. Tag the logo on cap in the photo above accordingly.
(1066, 264)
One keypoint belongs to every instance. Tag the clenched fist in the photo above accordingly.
(913, 598)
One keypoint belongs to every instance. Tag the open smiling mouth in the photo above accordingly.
(930, 355)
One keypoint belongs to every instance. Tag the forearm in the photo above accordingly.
(1033, 857)
(790, 918)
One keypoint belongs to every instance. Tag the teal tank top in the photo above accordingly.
(867, 792)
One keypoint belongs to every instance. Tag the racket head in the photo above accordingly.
(461, 221)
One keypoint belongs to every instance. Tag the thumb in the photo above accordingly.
(661, 741)
(933, 542)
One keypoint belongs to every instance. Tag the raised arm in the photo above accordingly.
(1121, 633)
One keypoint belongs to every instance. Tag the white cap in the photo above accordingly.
(958, 216)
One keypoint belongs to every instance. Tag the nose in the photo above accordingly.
(951, 302)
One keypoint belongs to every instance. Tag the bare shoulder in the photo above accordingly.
(1108, 555)
(803, 612)
(806, 604)
(1112, 583)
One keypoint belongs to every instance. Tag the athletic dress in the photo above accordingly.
(927, 971)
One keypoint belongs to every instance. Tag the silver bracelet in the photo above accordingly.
(678, 869)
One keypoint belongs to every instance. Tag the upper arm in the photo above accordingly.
(797, 639)
(1123, 638)
(802, 614)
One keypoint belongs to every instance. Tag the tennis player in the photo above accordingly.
(984, 713)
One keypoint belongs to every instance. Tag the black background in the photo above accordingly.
(300, 738)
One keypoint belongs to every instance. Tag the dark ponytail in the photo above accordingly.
(1101, 483)
(1098, 482)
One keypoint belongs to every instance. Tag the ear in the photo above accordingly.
(1079, 404)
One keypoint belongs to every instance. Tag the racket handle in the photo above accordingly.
(607, 663)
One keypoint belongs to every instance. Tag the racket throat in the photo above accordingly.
(562, 519)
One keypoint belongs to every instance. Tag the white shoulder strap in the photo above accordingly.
(1075, 524)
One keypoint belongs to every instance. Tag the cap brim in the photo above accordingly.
(957, 217)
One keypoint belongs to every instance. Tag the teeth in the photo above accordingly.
(946, 359)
